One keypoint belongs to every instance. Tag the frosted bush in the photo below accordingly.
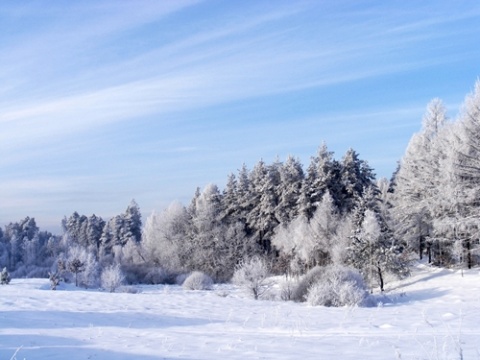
(197, 280)
(112, 277)
(287, 289)
(4, 277)
(252, 275)
(128, 290)
(54, 280)
(300, 291)
(338, 286)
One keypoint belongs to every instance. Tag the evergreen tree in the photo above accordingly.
(4, 277)
(230, 200)
(290, 186)
(355, 177)
(95, 225)
(321, 175)
(206, 245)
(132, 223)
(374, 254)
(76, 266)
(260, 204)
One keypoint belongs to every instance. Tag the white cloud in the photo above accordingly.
(73, 79)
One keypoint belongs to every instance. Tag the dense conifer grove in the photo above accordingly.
(292, 218)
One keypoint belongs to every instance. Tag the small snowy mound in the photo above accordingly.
(337, 286)
(197, 280)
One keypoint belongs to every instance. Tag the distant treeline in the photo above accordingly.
(295, 218)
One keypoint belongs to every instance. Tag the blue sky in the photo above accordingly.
(106, 101)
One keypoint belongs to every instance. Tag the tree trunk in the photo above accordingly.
(420, 247)
(429, 252)
(380, 277)
(469, 254)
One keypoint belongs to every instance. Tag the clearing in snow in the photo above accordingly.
(434, 314)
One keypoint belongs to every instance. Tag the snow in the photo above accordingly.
(433, 314)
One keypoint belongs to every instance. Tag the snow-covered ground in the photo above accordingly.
(435, 314)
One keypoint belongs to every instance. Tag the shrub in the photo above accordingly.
(197, 280)
(338, 286)
(252, 275)
(54, 280)
(299, 293)
(4, 277)
(287, 289)
(112, 277)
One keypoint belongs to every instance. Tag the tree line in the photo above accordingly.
(334, 211)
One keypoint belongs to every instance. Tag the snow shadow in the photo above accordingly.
(66, 319)
(410, 296)
(420, 279)
(28, 346)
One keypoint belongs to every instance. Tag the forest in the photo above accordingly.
(293, 219)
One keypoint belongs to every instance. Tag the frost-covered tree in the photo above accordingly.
(119, 230)
(417, 182)
(164, 237)
(322, 231)
(112, 277)
(4, 277)
(132, 223)
(76, 266)
(465, 204)
(205, 243)
(290, 186)
(355, 177)
(4, 254)
(374, 254)
(245, 197)
(322, 174)
(230, 200)
(252, 275)
(95, 225)
(261, 218)
(293, 243)
(81, 261)
(310, 241)
(25, 249)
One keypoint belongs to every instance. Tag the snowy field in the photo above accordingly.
(435, 314)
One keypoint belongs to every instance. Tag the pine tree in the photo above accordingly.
(4, 277)
(230, 200)
(206, 243)
(94, 230)
(356, 176)
(260, 204)
(290, 186)
(76, 266)
(321, 175)
(132, 224)
(374, 254)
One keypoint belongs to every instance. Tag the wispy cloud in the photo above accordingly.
(151, 89)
